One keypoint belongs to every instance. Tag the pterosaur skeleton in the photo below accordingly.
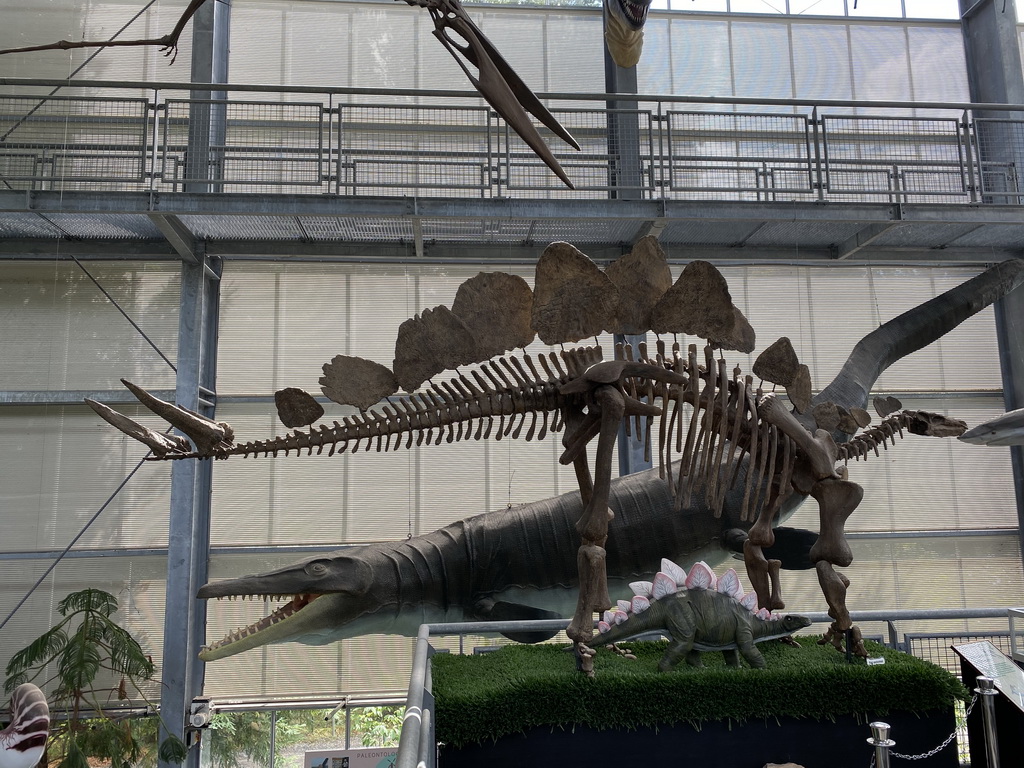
(728, 451)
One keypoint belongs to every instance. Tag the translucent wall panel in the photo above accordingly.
(38, 22)
(796, 58)
(922, 572)
(61, 332)
(60, 464)
(136, 582)
(380, 45)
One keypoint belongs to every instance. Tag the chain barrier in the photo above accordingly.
(942, 746)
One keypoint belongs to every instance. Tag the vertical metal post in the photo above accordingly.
(881, 742)
(1009, 319)
(986, 690)
(189, 525)
(625, 179)
(191, 481)
(273, 736)
(995, 75)
(207, 112)
(348, 727)
(625, 176)
(633, 444)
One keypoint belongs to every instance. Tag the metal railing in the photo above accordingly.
(358, 142)
(417, 744)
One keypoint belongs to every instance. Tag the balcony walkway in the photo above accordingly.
(136, 170)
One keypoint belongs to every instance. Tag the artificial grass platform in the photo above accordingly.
(484, 697)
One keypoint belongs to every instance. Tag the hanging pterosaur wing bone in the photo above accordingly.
(496, 81)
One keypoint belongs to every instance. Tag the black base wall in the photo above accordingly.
(811, 743)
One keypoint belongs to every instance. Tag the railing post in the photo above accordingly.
(881, 742)
(973, 174)
(986, 690)
(818, 178)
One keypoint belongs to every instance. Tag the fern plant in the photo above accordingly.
(72, 654)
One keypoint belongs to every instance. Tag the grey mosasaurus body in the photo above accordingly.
(516, 563)
(699, 620)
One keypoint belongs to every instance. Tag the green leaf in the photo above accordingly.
(74, 758)
(127, 656)
(38, 652)
(88, 601)
(78, 663)
(173, 750)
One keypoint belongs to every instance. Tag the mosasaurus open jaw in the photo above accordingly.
(282, 614)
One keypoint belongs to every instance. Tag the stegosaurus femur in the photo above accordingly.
(720, 436)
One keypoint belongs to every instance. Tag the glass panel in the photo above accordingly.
(821, 58)
(818, 7)
(41, 23)
(876, 8)
(61, 332)
(932, 9)
(757, 6)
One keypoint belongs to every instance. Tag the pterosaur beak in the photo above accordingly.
(159, 443)
(497, 82)
(205, 433)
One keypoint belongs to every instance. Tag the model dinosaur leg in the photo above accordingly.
(836, 501)
(593, 524)
(745, 643)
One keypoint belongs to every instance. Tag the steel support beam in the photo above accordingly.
(1009, 314)
(180, 237)
(995, 75)
(632, 443)
(189, 526)
(625, 172)
(862, 239)
(994, 72)
(188, 543)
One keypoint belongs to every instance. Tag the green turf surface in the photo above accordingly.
(483, 697)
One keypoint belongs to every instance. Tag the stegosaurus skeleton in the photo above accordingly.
(712, 424)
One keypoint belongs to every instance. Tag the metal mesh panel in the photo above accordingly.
(72, 143)
(614, 144)
(899, 159)
(250, 144)
(747, 155)
(938, 649)
(1000, 153)
(406, 149)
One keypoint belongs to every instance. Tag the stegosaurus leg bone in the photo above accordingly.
(833, 586)
(593, 523)
(764, 575)
(837, 499)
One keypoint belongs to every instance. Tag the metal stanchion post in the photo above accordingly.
(881, 742)
(986, 689)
